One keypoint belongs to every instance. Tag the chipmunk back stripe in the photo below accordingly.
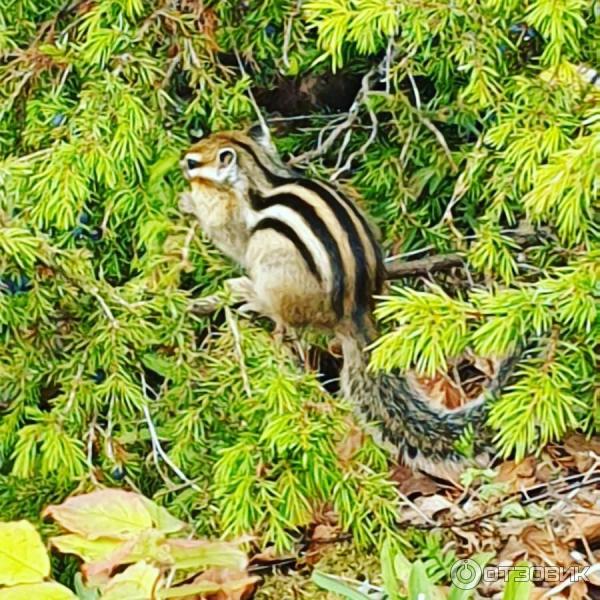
(276, 179)
(320, 229)
(379, 270)
(285, 230)
(362, 281)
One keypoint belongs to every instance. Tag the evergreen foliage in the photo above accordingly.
(482, 117)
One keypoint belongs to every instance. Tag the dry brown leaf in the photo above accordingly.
(584, 525)
(270, 555)
(512, 551)
(351, 444)
(411, 483)
(537, 593)
(325, 533)
(236, 584)
(546, 472)
(426, 506)
(441, 391)
(578, 591)
(517, 474)
(582, 450)
(542, 548)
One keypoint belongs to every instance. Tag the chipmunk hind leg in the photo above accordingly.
(290, 294)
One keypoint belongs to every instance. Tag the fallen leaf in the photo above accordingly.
(325, 533)
(217, 584)
(441, 390)
(136, 582)
(23, 557)
(351, 444)
(411, 483)
(270, 555)
(517, 475)
(89, 550)
(427, 506)
(584, 525)
(543, 548)
(200, 554)
(104, 513)
(512, 551)
(582, 450)
(45, 590)
(147, 545)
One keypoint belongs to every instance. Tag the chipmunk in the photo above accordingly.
(312, 258)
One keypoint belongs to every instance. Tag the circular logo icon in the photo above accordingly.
(465, 574)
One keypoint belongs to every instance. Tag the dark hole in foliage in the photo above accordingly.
(47, 394)
(331, 92)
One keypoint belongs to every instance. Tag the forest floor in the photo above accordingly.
(545, 510)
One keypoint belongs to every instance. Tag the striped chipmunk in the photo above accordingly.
(312, 258)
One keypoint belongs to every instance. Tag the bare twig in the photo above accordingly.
(346, 124)
(440, 138)
(259, 115)
(74, 385)
(422, 266)
(91, 438)
(287, 33)
(156, 446)
(237, 340)
(372, 135)
(524, 497)
(94, 292)
(462, 186)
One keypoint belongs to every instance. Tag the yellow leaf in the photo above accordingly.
(163, 520)
(137, 582)
(89, 550)
(104, 513)
(23, 557)
(46, 590)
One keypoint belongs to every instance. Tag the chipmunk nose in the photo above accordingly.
(192, 164)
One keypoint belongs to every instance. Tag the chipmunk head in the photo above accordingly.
(231, 157)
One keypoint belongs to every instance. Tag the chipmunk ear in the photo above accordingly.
(261, 135)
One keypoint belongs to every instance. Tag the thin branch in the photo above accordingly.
(94, 292)
(261, 119)
(237, 340)
(346, 124)
(441, 140)
(398, 268)
(361, 151)
(462, 186)
(287, 33)
(156, 446)
(91, 438)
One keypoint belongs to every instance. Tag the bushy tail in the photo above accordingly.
(425, 436)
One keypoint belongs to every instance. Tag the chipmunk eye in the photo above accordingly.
(193, 164)
(226, 157)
